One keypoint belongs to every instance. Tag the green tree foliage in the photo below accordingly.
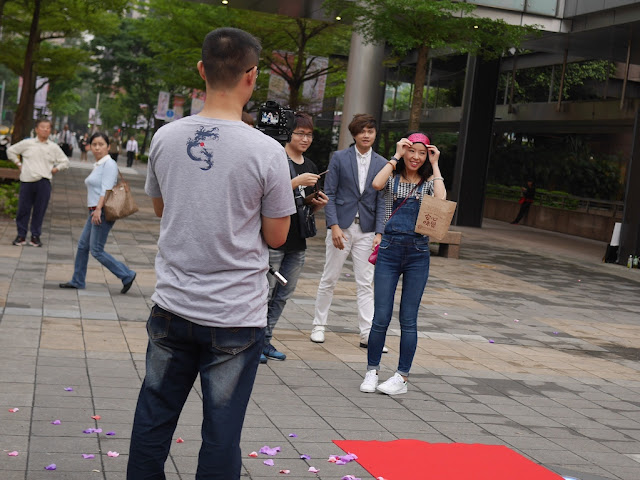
(126, 75)
(175, 30)
(532, 84)
(36, 41)
(422, 25)
(564, 164)
(291, 44)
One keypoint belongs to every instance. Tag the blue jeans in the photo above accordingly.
(407, 255)
(289, 264)
(227, 361)
(92, 239)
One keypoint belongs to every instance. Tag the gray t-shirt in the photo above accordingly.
(216, 178)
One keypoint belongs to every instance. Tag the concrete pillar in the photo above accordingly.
(364, 91)
(630, 230)
(474, 141)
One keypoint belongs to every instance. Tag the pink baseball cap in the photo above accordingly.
(419, 138)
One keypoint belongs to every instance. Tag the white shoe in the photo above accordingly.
(370, 382)
(317, 334)
(364, 345)
(394, 386)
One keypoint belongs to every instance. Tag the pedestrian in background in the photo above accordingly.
(65, 140)
(412, 173)
(115, 145)
(526, 200)
(83, 144)
(223, 191)
(38, 159)
(96, 229)
(132, 150)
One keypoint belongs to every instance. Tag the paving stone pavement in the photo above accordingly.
(527, 341)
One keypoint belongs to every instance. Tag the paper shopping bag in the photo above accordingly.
(435, 217)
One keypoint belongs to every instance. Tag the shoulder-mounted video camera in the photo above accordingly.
(275, 121)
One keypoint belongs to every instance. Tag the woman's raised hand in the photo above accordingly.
(434, 154)
(401, 147)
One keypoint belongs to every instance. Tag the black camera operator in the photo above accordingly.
(296, 130)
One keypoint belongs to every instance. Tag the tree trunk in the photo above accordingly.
(418, 89)
(294, 96)
(24, 113)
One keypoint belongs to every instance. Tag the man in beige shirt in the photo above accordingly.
(38, 159)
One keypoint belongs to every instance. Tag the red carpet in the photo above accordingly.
(417, 460)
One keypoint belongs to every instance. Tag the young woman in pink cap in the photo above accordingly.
(412, 173)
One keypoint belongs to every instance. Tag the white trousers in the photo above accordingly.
(359, 245)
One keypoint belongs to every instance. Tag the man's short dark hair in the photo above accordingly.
(303, 120)
(42, 120)
(360, 122)
(227, 53)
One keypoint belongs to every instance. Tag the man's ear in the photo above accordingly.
(201, 70)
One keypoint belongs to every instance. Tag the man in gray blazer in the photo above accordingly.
(355, 222)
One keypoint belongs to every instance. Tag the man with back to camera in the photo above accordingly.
(289, 258)
(38, 159)
(223, 191)
(355, 221)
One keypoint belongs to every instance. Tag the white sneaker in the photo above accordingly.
(394, 386)
(370, 382)
(364, 345)
(317, 334)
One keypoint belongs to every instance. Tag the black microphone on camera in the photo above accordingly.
(281, 280)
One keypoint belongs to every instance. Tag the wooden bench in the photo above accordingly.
(9, 173)
(449, 246)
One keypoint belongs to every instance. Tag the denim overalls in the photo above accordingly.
(402, 252)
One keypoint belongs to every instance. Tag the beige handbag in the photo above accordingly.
(119, 202)
(435, 217)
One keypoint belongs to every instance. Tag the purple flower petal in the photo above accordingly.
(267, 450)
(313, 470)
(51, 467)
(268, 462)
(88, 456)
(13, 454)
(97, 430)
(68, 389)
(349, 457)
(491, 341)
(341, 462)
(305, 457)
(293, 435)
(350, 477)
(113, 454)
(56, 422)
(88, 430)
(110, 433)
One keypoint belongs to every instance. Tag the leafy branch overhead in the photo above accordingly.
(424, 25)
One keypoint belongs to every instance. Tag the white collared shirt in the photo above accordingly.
(132, 146)
(364, 160)
(38, 158)
(101, 161)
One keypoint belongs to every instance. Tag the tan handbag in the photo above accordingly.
(435, 217)
(119, 202)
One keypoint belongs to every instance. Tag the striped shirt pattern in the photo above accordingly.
(403, 190)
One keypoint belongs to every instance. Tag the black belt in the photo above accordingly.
(91, 209)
